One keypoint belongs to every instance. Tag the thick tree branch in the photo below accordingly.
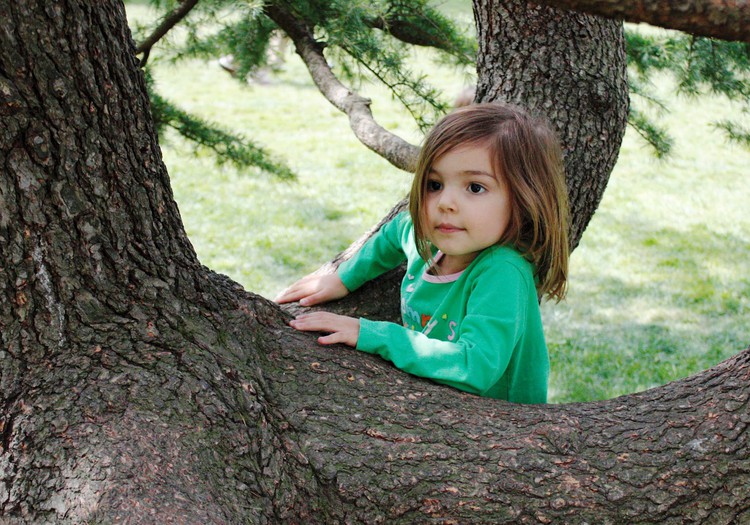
(724, 19)
(393, 148)
(167, 23)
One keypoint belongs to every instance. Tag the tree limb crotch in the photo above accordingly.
(167, 23)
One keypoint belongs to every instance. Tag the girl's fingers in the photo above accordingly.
(316, 321)
(347, 338)
(314, 289)
(293, 293)
(296, 291)
(299, 323)
(313, 299)
(342, 329)
(286, 296)
(331, 339)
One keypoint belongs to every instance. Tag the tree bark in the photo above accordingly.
(726, 20)
(138, 386)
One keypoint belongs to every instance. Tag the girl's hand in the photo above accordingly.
(342, 329)
(314, 289)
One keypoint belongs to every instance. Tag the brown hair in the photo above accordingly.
(526, 153)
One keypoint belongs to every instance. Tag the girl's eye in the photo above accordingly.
(476, 188)
(433, 185)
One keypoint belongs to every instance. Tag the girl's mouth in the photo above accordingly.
(448, 228)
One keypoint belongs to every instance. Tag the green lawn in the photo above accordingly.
(659, 286)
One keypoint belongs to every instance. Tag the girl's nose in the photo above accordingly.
(446, 202)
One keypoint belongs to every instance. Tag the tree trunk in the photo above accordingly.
(120, 398)
(572, 69)
(137, 386)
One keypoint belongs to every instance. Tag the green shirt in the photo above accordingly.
(479, 331)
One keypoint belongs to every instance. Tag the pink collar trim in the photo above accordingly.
(439, 279)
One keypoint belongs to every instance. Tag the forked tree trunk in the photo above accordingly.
(139, 387)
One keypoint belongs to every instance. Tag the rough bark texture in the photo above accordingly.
(120, 400)
(136, 386)
(570, 68)
(724, 19)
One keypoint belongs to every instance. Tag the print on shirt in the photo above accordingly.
(452, 326)
(415, 320)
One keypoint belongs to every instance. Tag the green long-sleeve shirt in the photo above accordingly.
(478, 331)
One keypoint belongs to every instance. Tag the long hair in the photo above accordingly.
(525, 152)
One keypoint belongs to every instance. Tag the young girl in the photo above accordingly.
(485, 238)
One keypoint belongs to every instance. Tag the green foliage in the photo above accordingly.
(227, 146)
(699, 66)
(366, 40)
(656, 136)
(738, 133)
(416, 22)
(221, 27)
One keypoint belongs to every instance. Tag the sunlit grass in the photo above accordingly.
(659, 286)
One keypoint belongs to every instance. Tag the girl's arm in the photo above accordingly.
(484, 341)
(382, 252)
(484, 344)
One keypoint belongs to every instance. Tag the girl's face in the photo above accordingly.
(467, 205)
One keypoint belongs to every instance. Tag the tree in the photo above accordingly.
(369, 39)
(139, 386)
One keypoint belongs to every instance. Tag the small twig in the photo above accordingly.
(167, 23)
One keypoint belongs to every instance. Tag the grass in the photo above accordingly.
(659, 286)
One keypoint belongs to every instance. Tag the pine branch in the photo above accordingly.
(735, 132)
(413, 94)
(226, 146)
(386, 144)
(655, 136)
(419, 24)
(699, 66)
